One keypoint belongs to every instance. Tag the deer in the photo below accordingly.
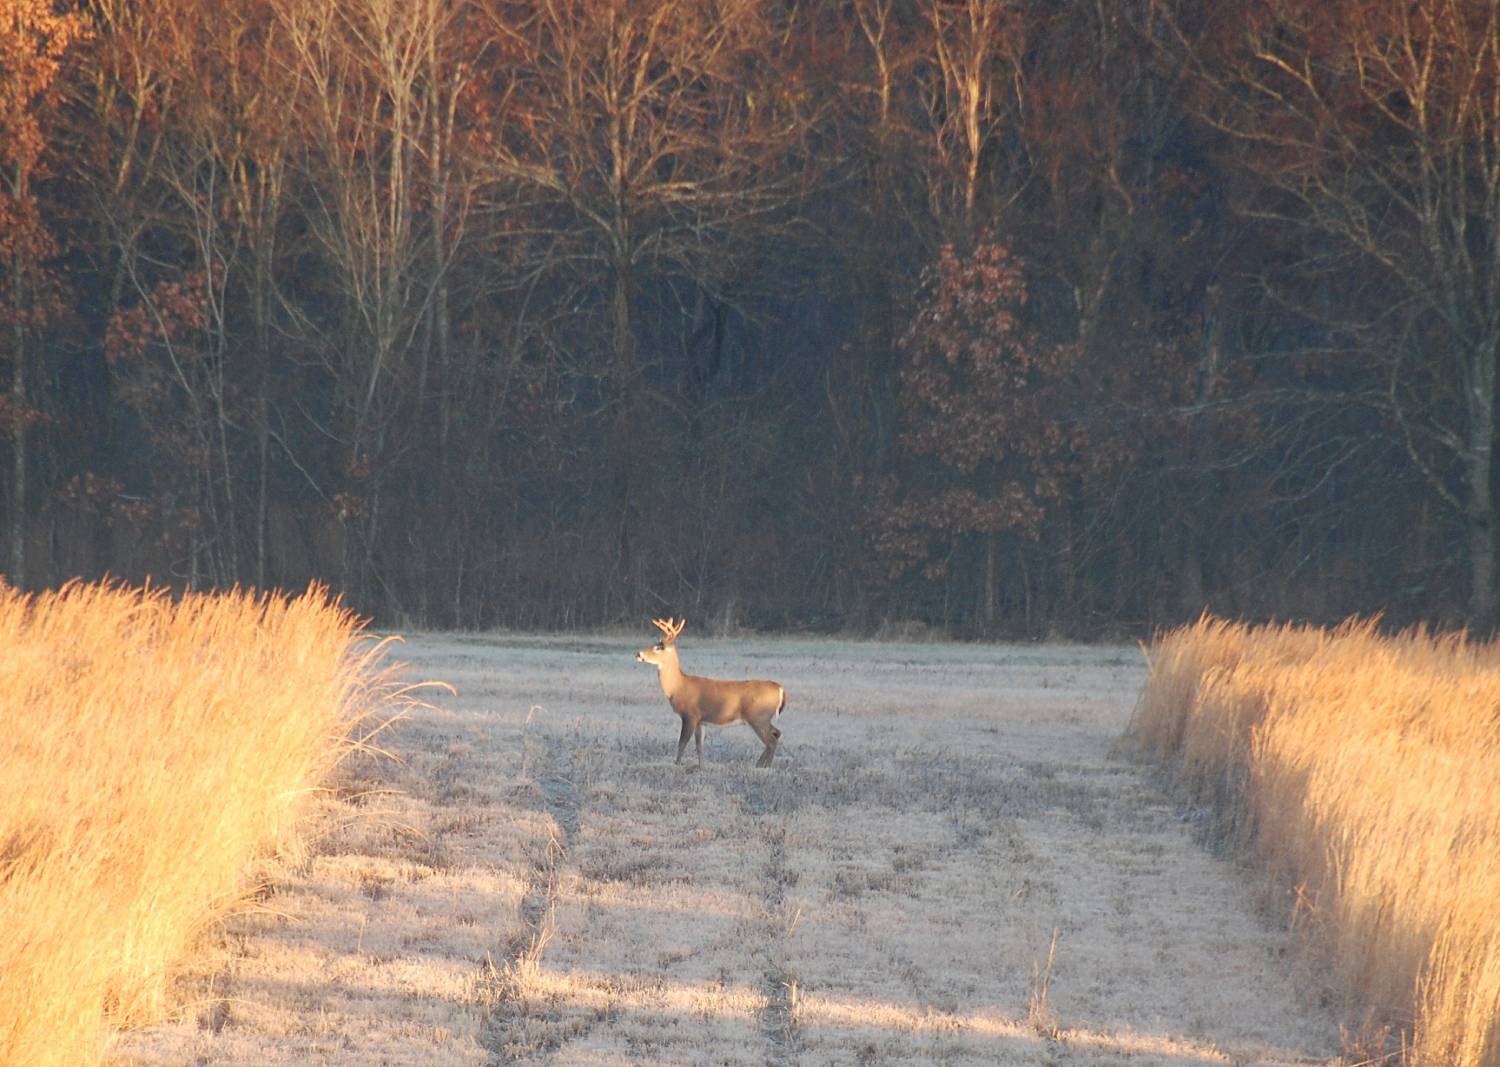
(709, 700)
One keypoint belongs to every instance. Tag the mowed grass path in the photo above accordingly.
(951, 862)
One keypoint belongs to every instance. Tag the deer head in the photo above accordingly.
(665, 650)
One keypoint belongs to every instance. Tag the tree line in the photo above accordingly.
(998, 316)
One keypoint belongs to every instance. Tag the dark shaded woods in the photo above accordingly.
(995, 316)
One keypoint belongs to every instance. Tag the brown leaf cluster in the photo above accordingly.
(988, 413)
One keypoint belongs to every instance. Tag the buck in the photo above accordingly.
(708, 700)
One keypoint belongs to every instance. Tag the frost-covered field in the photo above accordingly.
(948, 863)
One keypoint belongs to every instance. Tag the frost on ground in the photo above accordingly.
(949, 863)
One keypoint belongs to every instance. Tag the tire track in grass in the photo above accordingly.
(773, 804)
(514, 1031)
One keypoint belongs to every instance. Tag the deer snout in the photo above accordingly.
(640, 657)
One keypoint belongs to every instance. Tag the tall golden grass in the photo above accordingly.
(150, 751)
(1363, 771)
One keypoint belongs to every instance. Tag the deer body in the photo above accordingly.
(708, 700)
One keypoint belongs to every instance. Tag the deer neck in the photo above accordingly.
(669, 671)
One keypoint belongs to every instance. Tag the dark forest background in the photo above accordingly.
(999, 316)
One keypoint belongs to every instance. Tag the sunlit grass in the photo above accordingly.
(150, 751)
(1363, 771)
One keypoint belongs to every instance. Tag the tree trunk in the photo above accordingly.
(622, 329)
(1479, 468)
(623, 371)
(263, 460)
(18, 442)
(1191, 600)
(261, 310)
(987, 594)
(1481, 573)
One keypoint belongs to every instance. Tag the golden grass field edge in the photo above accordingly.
(1361, 770)
(153, 749)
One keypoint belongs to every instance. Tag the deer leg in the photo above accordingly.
(769, 735)
(698, 737)
(687, 732)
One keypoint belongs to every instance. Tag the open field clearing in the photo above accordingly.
(949, 863)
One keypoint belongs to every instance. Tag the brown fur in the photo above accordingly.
(709, 700)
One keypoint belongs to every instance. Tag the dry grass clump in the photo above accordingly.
(1364, 771)
(151, 750)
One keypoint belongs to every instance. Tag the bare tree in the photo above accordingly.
(667, 131)
(33, 41)
(1375, 129)
(969, 95)
(226, 165)
(379, 100)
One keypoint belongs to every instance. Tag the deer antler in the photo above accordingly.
(669, 629)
